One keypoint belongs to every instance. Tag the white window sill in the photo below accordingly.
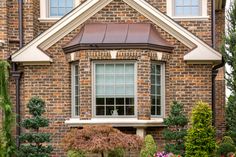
(190, 18)
(49, 19)
(115, 122)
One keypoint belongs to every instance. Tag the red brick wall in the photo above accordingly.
(185, 83)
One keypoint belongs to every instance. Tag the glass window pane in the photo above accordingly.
(153, 110)
(120, 110)
(179, 11)
(158, 80)
(195, 11)
(53, 3)
(129, 90)
(158, 110)
(120, 89)
(69, 3)
(109, 110)
(158, 90)
(110, 101)
(158, 69)
(187, 11)
(99, 79)
(187, 2)
(76, 80)
(61, 11)
(53, 12)
(109, 68)
(153, 89)
(129, 68)
(195, 2)
(179, 2)
(109, 90)
(129, 101)
(129, 110)
(153, 69)
(109, 79)
(152, 79)
(99, 68)
(100, 110)
(120, 79)
(129, 79)
(61, 3)
(120, 68)
(99, 90)
(153, 100)
(100, 101)
(120, 101)
(158, 100)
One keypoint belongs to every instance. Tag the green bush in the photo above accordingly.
(175, 129)
(73, 153)
(33, 142)
(230, 117)
(226, 146)
(118, 152)
(200, 139)
(8, 149)
(149, 148)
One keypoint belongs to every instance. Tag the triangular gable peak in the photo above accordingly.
(200, 51)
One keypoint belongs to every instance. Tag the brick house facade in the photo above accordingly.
(69, 82)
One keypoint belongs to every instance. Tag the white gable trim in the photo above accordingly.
(82, 13)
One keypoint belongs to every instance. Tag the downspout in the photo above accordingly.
(214, 70)
(16, 74)
(213, 24)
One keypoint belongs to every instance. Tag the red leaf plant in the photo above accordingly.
(100, 139)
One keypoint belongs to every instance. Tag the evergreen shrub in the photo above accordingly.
(200, 139)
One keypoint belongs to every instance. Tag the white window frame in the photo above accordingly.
(44, 11)
(73, 90)
(94, 89)
(170, 4)
(162, 82)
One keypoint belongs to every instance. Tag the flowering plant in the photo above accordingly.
(165, 154)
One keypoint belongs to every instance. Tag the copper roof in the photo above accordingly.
(118, 36)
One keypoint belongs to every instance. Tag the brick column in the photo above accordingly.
(85, 87)
(144, 86)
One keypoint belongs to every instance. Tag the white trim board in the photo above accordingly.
(200, 51)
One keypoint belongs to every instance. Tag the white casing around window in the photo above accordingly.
(170, 11)
(44, 8)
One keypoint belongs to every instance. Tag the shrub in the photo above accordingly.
(73, 153)
(175, 131)
(117, 152)
(33, 141)
(228, 50)
(230, 117)
(226, 146)
(8, 148)
(200, 139)
(100, 139)
(149, 148)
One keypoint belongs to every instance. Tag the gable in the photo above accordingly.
(82, 13)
